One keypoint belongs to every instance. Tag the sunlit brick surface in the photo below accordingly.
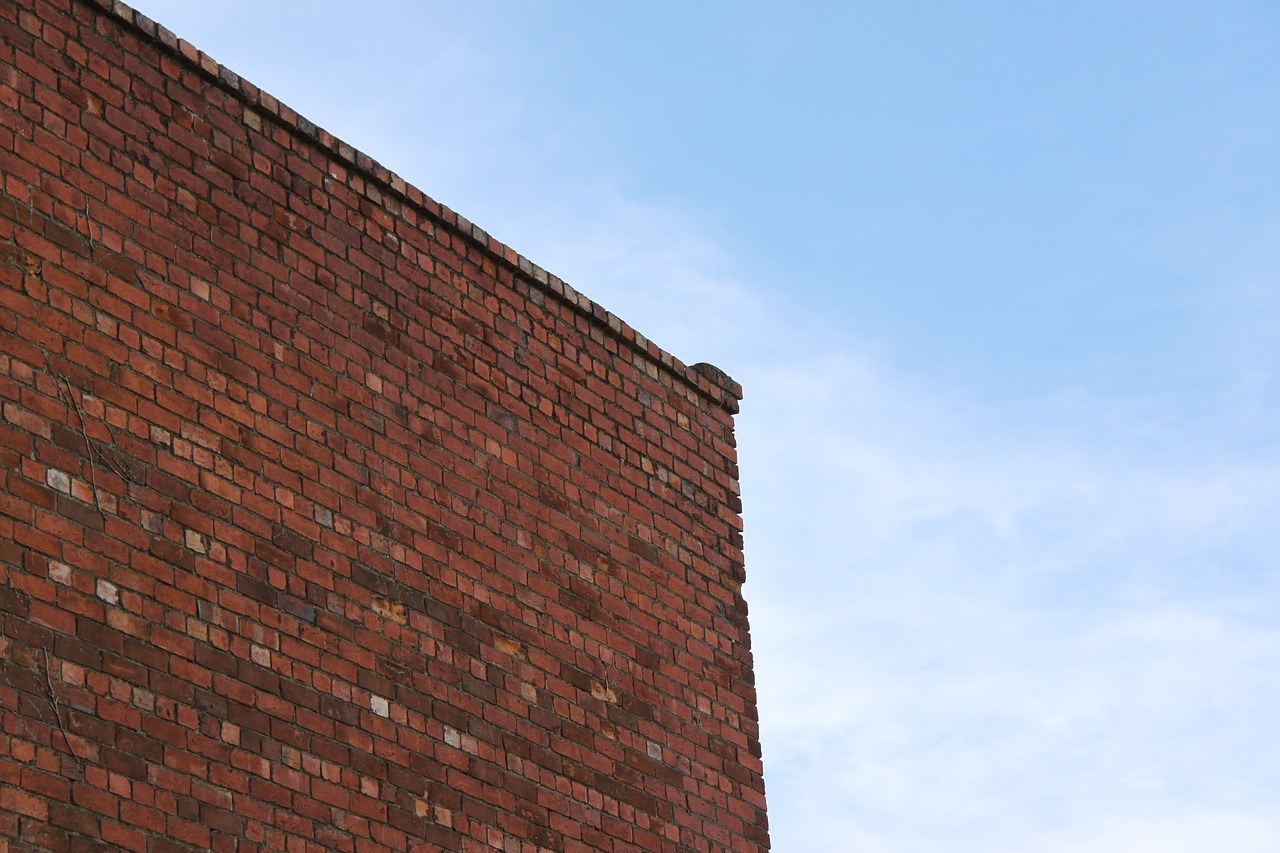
(328, 522)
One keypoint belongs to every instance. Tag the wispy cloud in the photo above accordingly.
(655, 267)
(1005, 636)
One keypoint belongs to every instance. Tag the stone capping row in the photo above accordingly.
(707, 379)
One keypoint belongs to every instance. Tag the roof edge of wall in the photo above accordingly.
(707, 379)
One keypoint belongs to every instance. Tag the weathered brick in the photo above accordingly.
(348, 579)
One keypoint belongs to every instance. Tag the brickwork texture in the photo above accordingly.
(329, 523)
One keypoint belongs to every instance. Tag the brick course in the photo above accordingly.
(328, 521)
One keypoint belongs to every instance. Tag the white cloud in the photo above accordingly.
(1195, 830)
(965, 636)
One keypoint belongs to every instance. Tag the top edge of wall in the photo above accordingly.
(707, 379)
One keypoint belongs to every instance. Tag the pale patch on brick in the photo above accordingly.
(108, 592)
(654, 751)
(152, 522)
(144, 699)
(58, 480)
(323, 516)
(509, 646)
(380, 706)
(603, 691)
(260, 656)
(452, 737)
(421, 807)
(59, 572)
(196, 542)
(393, 610)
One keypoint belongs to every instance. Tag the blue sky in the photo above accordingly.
(1002, 283)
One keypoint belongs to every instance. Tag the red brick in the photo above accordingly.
(364, 589)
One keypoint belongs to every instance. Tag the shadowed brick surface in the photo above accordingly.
(329, 522)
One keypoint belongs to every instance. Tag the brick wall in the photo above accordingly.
(328, 522)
